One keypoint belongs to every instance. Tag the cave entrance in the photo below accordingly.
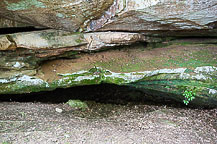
(12, 30)
(102, 93)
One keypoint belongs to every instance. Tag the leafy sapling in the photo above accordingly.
(189, 96)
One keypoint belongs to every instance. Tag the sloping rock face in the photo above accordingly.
(68, 14)
(6, 23)
(117, 15)
(143, 15)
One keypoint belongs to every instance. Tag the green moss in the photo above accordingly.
(193, 60)
(114, 80)
(78, 41)
(185, 58)
(119, 66)
(188, 70)
(162, 76)
(180, 84)
(24, 4)
(158, 45)
(60, 15)
(48, 35)
(196, 41)
(132, 67)
(77, 104)
(18, 88)
(173, 89)
(70, 81)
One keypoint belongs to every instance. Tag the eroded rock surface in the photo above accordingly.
(24, 51)
(54, 39)
(116, 15)
(6, 23)
(142, 15)
(67, 14)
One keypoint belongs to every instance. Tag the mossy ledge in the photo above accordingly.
(166, 83)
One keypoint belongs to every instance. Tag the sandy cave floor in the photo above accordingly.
(34, 123)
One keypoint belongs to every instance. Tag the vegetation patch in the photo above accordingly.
(77, 104)
(189, 96)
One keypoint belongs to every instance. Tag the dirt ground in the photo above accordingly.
(40, 123)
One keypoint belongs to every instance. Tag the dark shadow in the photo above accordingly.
(19, 29)
(103, 93)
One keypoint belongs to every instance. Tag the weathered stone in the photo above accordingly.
(68, 14)
(6, 23)
(117, 15)
(158, 15)
(58, 41)
(5, 44)
(99, 40)
(48, 39)
(24, 51)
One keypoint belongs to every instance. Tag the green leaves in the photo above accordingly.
(189, 96)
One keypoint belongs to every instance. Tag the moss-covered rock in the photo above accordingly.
(163, 73)
(161, 84)
(77, 104)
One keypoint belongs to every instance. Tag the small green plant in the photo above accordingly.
(23, 114)
(77, 104)
(189, 96)
(6, 143)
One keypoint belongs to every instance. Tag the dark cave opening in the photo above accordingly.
(102, 93)
(12, 30)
